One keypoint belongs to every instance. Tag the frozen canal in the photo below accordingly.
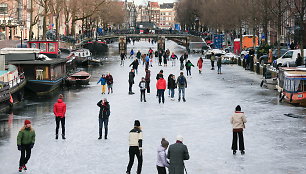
(275, 143)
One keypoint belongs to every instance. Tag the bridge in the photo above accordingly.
(158, 35)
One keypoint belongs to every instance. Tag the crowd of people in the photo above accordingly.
(171, 157)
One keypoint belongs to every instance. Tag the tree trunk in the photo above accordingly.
(31, 20)
(45, 20)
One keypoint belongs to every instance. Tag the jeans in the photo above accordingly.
(101, 122)
(219, 69)
(161, 95)
(212, 64)
(130, 86)
(188, 71)
(181, 91)
(134, 150)
(172, 93)
(59, 120)
(122, 62)
(161, 170)
(25, 154)
(148, 86)
(142, 95)
(241, 142)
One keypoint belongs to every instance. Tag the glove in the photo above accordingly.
(19, 147)
(31, 145)
(140, 152)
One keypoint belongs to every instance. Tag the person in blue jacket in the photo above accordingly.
(103, 83)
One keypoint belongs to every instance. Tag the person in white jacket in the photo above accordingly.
(162, 162)
(238, 121)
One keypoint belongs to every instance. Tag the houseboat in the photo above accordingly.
(43, 76)
(292, 85)
(48, 48)
(81, 56)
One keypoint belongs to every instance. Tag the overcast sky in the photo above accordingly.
(141, 2)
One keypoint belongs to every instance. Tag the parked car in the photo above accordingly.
(264, 58)
(229, 58)
(289, 58)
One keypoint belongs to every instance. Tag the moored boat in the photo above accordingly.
(292, 85)
(79, 78)
(81, 56)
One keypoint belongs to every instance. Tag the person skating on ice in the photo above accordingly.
(188, 66)
(135, 147)
(131, 81)
(109, 81)
(134, 65)
(200, 65)
(59, 110)
(102, 80)
(161, 87)
(162, 162)
(182, 85)
(238, 121)
(148, 79)
(25, 143)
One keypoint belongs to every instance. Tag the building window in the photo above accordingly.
(3, 8)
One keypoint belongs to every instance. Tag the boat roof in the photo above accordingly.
(39, 62)
(81, 73)
(42, 41)
(19, 50)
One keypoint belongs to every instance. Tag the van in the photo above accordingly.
(289, 58)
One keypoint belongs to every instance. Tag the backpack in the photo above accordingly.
(181, 80)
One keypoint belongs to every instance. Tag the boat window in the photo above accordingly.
(51, 47)
(42, 46)
(292, 85)
(33, 45)
(288, 55)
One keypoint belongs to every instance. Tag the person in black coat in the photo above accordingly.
(171, 85)
(134, 65)
(131, 81)
(103, 117)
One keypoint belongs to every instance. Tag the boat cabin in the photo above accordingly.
(48, 48)
(42, 69)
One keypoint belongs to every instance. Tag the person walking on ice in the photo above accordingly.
(25, 143)
(102, 80)
(59, 110)
(238, 121)
(104, 114)
(135, 147)
(200, 65)
(109, 81)
(161, 87)
(162, 162)
(182, 84)
(131, 81)
(177, 153)
(188, 66)
(131, 54)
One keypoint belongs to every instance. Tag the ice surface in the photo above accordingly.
(275, 144)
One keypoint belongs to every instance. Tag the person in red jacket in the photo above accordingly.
(59, 110)
(161, 87)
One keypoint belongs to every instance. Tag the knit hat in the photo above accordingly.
(238, 108)
(164, 142)
(27, 122)
(137, 123)
(179, 138)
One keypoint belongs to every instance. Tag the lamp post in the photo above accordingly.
(21, 30)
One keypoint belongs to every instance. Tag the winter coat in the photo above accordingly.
(142, 85)
(109, 79)
(200, 63)
(212, 58)
(188, 65)
(104, 109)
(162, 157)
(26, 136)
(148, 75)
(173, 56)
(132, 52)
(131, 77)
(219, 61)
(182, 59)
(177, 153)
(135, 64)
(238, 120)
(102, 81)
(135, 137)
(138, 55)
(179, 82)
(161, 84)
(59, 108)
(171, 83)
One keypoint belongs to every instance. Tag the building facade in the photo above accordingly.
(167, 15)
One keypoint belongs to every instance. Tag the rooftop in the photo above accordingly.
(166, 5)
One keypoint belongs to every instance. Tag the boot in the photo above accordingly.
(179, 99)
(242, 152)
(184, 100)
(56, 136)
(63, 137)
(20, 169)
(105, 137)
(25, 167)
(234, 152)
(100, 134)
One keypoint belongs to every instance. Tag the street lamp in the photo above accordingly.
(21, 30)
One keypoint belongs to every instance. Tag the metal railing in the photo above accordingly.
(16, 81)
